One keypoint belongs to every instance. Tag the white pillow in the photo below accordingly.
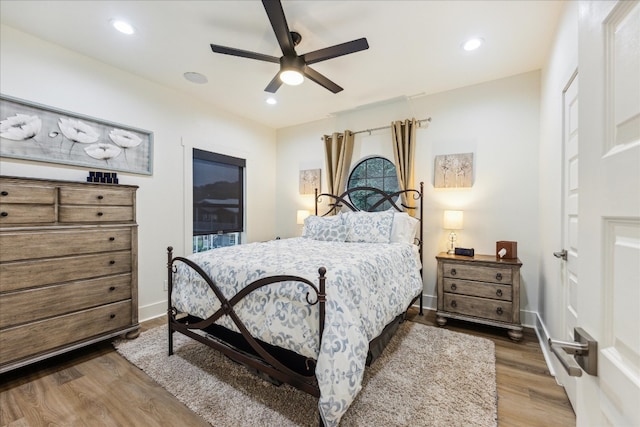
(368, 227)
(404, 228)
(329, 228)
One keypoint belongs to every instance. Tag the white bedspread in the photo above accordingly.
(368, 285)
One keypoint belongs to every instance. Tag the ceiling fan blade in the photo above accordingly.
(279, 24)
(244, 53)
(321, 80)
(274, 84)
(335, 51)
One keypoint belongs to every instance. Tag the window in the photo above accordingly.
(376, 172)
(218, 200)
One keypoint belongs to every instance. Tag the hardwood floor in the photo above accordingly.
(95, 386)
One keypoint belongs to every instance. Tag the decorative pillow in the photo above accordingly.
(329, 229)
(404, 228)
(369, 227)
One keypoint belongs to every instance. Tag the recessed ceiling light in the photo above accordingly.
(472, 44)
(122, 26)
(272, 101)
(194, 77)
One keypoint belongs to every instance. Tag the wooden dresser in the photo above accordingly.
(481, 289)
(68, 267)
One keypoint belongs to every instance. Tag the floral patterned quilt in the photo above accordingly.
(368, 285)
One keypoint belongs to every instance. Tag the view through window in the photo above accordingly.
(376, 172)
(218, 200)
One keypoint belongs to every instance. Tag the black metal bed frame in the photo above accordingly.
(273, 363)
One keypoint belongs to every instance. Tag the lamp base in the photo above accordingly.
(452, 243)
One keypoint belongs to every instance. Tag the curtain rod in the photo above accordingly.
(428, 119)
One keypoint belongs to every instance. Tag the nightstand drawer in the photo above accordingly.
(477, 273)
(478, 289)
(478, 307)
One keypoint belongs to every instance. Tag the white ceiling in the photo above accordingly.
(414, 46)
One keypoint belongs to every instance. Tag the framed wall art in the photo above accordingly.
(453, 171)
(36, 132)
(309, 181)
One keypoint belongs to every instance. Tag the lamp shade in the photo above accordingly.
(301, 216)
(453, 220)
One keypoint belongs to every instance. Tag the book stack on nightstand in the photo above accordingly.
(482, 289)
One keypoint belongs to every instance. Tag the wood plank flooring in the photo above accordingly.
(95, 386)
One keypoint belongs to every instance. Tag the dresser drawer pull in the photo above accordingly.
(100, 197)
(112, 316)
(112, 288)
(453, 287)
(111, 239)
(499, 311)
(5, 193)
(112, 262)
(454, 303)
(4, 213)
(499, 292)
(100, 213)
(499, 276)
(453, 272)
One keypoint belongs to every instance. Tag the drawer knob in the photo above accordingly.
(499, 292)
(499, 311)
(112, 316)
(454, 303)
(499, 276)
(100, 197)
(112, 288)
(453, 272)
(4, 213)
(453, 287)
(112, 262)
(5, 193)
(100, 213)
(111, 239)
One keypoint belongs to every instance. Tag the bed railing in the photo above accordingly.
(267, 363)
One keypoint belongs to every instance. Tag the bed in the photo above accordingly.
(309, 311)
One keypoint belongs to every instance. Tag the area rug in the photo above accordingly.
(427, 376)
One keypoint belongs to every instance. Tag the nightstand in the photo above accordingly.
(482, 289)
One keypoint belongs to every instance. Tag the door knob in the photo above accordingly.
(562, 254)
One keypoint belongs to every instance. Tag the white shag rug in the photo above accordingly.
(427, 376)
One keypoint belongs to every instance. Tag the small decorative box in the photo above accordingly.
(506, 249)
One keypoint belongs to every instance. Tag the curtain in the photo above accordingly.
(403, 135)
(338, 151)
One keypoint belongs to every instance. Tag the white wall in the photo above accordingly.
(498, 121)
(38, 71)
(561, 65)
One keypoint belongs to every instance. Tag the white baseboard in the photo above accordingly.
(152, 311)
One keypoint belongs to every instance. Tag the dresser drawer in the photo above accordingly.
(478, 307)
(34, 304)
(477, 273)
(43, 244)
(478, 289)
(25, 274)
(27, 214)
(49, 334)
(95, 214)
(96, 196)
(26, 194)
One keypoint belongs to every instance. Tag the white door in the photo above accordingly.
(570, 192)
(609, 210)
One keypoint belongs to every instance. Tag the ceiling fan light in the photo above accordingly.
(291, 77)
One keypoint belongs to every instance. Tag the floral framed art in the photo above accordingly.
(36, 132)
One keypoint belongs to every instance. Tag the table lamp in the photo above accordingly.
(452, 221)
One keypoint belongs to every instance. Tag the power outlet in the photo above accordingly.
(165, 286)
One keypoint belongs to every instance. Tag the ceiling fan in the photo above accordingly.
(293, 66)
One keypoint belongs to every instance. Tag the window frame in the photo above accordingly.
(354, 200)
